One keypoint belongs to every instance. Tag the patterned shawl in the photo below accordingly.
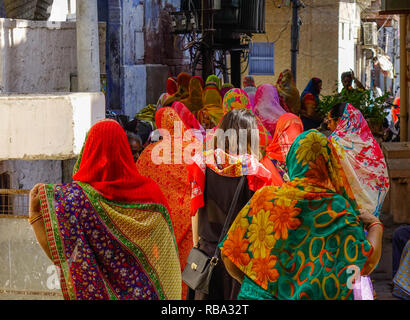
(362, 160)
(287, 90)
(109, 231)
(172, 179)
(194, 101)
(267, 106)
(298, 241)
(238, 99)
(226, 165)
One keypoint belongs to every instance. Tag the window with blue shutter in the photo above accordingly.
(261, 58)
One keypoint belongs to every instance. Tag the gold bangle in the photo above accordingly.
(35, 219)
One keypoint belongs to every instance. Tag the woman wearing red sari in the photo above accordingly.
(288, 127)
(172, 178)
(108, 232)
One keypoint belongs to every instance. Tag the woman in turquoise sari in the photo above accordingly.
(304, 240)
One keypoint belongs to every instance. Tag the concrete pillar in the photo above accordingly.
(88, 59)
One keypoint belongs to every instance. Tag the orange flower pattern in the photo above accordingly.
(297, 241)
(284, 218)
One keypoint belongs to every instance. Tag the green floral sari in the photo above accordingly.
(303, 240)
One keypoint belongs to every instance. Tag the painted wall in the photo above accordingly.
(40, 56)
(318, 45)
(47, 127)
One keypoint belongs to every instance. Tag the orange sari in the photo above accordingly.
(172, 179)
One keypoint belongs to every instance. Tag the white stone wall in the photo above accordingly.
(40, 56)
(47, 127)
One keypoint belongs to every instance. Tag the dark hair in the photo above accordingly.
(346, 74)
(337, 111)
(238, 119)
(141, 129)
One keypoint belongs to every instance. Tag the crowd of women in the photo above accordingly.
(306, 205)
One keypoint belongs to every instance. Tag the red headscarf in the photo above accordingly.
(172, 85)
(288, 127)
(106, 163)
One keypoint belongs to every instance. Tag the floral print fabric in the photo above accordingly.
(172, 179)
(298, 241)
(238, 99)
(100, 252)
(362, 160)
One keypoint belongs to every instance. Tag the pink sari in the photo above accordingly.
(267, 106)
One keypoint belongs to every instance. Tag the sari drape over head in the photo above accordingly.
(289, 126)
(251, 92)
(215, 79)
(172, 85)
(248, 81)
(362, 160)
(267, 106)
(238, 99)
(300, 241)
(109, 231)
(249, 87)
(288, 91)
(172, 179)
(183, 80)
(189, 119)
(211, 113)
(309, 103)
(194, 101)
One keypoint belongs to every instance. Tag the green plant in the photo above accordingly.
(372, 109)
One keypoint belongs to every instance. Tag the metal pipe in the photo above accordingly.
(403, 79)
(294, 38)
